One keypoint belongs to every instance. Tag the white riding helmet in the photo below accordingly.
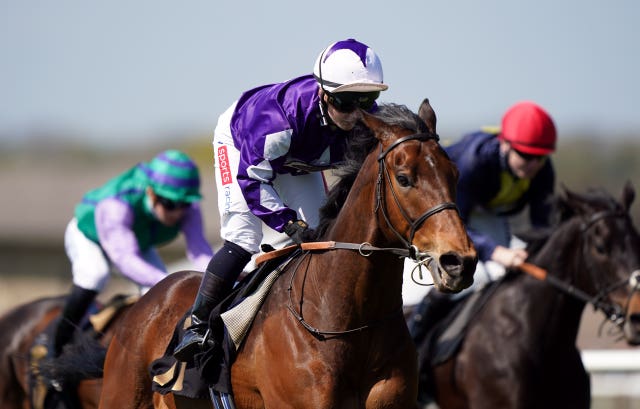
(349, 66)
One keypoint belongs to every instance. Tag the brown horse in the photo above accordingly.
(520, 349)
(19, 328)
(331, 332)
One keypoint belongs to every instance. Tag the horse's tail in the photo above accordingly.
(82, 359)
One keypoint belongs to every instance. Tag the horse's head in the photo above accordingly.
(611, 255)
(415, 196)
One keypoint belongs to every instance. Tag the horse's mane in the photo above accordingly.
(564, 208)
(359, 144)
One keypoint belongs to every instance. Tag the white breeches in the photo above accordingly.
(89, 264)
(304, 194)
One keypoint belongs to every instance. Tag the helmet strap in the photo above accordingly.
(324, 115)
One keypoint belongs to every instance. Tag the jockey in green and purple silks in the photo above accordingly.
(122, 222)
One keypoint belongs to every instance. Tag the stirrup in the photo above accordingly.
(205, 338)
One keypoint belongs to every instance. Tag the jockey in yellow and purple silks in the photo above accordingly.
(269, 148)
(502, 172)
(122, 222)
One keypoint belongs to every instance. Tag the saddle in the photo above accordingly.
(210, 371)
(446, 337)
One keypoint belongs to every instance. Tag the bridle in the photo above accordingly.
(383, 175)
(613, 312)
(366, 249)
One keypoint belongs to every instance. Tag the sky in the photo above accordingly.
(120, 73)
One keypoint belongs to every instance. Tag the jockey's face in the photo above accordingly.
(343, 120)
(522, 165)
(167, 215)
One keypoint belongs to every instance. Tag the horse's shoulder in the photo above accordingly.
(181, 278)
(175, 292)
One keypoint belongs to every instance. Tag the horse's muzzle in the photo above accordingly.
(452, 272)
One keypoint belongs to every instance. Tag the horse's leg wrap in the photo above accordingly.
(75, 308)
(224, 268)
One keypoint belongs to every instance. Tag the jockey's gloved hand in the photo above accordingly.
(296, 230)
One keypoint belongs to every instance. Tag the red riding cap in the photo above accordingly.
(529, 129)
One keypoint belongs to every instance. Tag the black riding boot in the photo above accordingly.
(212, 291)
(227, 263)
(431, 309)
(75, 308)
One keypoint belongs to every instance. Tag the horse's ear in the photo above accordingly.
(570, 203)
(628, 194)
(381, 129)
(428, 115)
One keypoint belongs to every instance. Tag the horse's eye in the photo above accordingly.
(599, 242)
(403, 180)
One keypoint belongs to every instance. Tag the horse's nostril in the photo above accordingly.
(452, 263)
(634, 319)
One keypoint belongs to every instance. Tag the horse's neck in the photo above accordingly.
(359, 222)
(562, 257)
(562, 254)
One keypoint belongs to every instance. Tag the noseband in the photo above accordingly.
(613, 312)
(383, 174)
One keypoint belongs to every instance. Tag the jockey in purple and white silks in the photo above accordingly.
(269, 148)
(120, 223)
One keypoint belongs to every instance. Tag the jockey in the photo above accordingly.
(269, 149)
(120, 224)
(502, 171)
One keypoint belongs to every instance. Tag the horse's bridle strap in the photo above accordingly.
(541, 274)
(417, 136)
(364, 248)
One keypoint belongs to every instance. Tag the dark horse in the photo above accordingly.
(520, 349)
(19, 328)
(397, 195)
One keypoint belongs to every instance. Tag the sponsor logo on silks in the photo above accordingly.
(225, 169)
(227, 200)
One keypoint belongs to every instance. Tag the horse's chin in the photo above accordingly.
(632, 334)
(447, 283)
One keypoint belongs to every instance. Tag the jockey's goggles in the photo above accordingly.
(347, 102)
(528, 156)
(169, 204)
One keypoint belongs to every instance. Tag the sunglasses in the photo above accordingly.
(169, 204)
(347, 102)
(528, 156)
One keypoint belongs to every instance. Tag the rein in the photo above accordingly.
(383, 174)
(325, 334)
(613, 312)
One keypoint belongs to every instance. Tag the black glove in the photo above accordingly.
(295, 229)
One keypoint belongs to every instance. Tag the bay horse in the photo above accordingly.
(19, 328)
(331, 333)
(520, 349)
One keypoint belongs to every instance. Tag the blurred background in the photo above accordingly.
(88, 90)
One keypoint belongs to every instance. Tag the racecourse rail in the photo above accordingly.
(614, 372)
